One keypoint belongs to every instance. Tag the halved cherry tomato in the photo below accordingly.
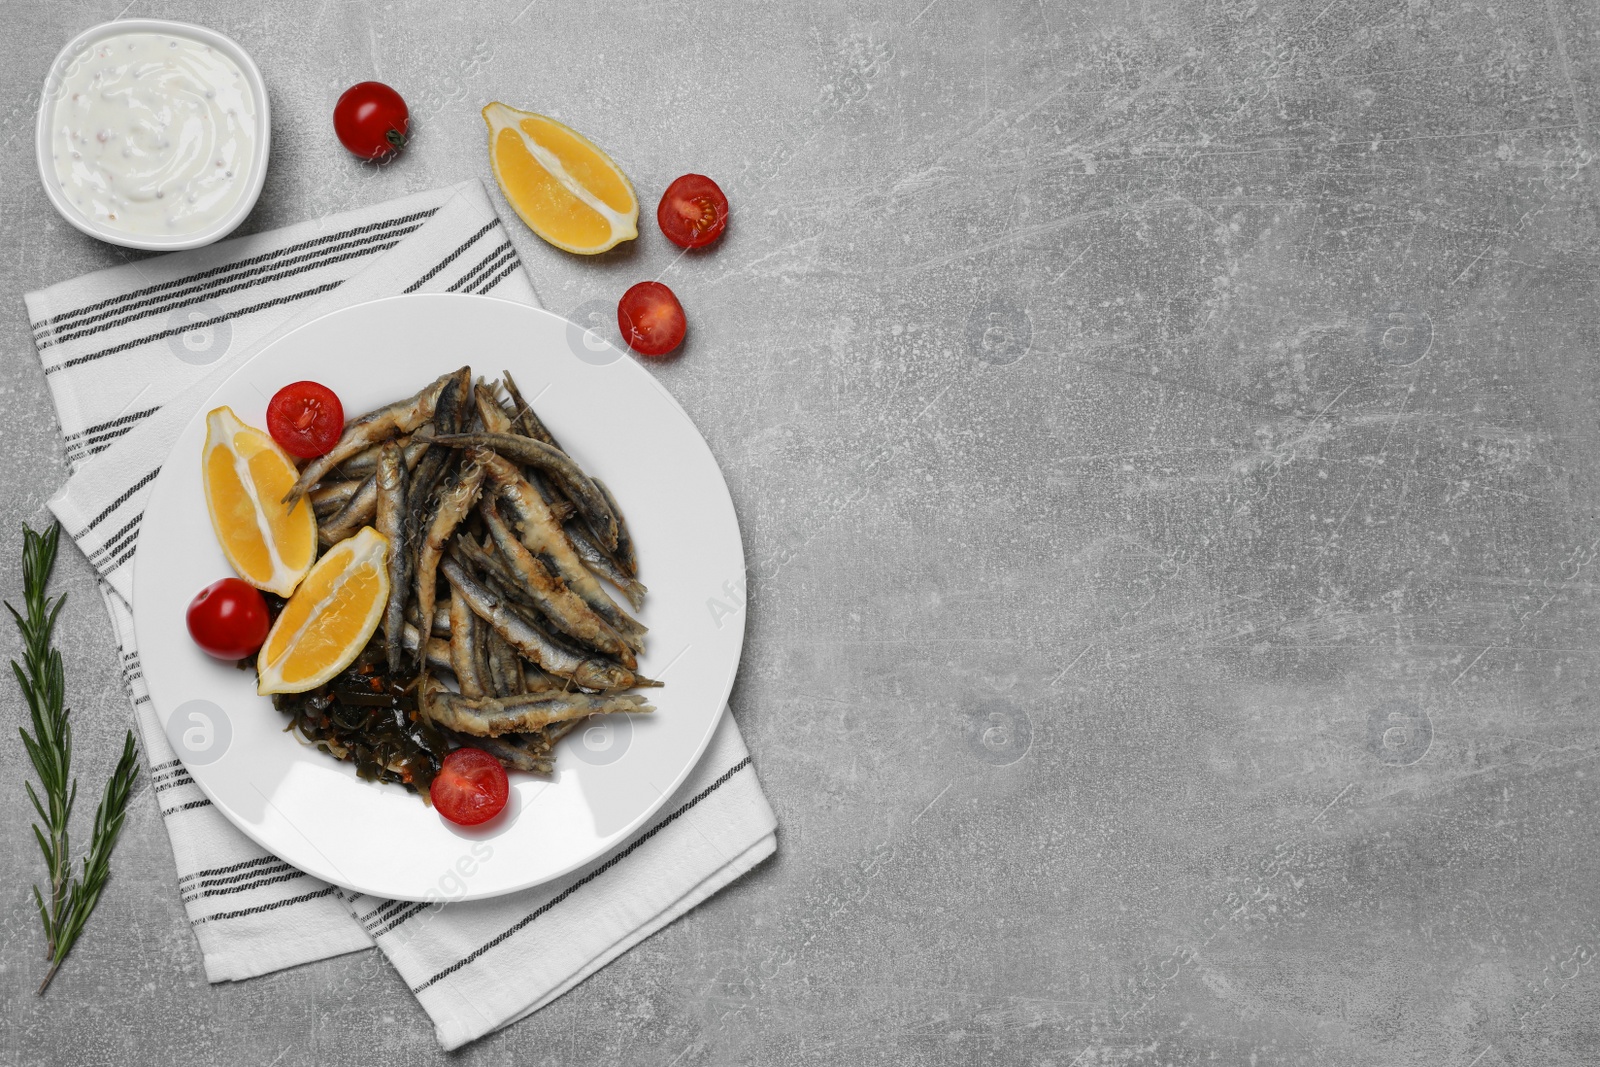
(651, 319)
(228, 619)
(693, 211)
(306, 418)
(470, 788)
(372, 120)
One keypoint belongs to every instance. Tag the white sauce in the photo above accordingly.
(154, 134)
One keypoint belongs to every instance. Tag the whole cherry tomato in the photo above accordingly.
(693, 211)
(470, 788)
(306, 418)
(371, 120)
(651, 319)
(228, 619)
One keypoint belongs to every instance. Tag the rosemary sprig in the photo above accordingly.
(71, 900)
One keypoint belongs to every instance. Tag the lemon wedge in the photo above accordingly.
(563, 186)
(330, 618)
(246, 474)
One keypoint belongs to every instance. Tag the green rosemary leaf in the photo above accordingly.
(42, 678)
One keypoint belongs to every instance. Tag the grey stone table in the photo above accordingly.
(1166, 436)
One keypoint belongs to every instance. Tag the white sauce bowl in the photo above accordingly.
(153, 242)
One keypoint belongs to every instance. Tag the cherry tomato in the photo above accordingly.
(651, 319)
(470, 787)
(228, 619)
(371, 120)
(306, 418)
(693, 212)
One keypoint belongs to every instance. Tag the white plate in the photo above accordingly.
(309, 808)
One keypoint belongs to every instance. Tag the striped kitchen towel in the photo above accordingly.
(130, 354)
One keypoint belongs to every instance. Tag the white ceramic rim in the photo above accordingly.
(258, 86)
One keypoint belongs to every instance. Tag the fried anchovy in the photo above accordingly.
(516, 677)
(463, 648)
(589, 501)
(414, 444)
(375, 427)
(536, 679)
(502, 661)
(455, 503)
(499, 582)
(362, 504)
(365, 463)
(440, 625)
(527, 423)
(591, 672)
(356, 513)
(490, 413)
(557, 730)
(447, 418)
(539, 531)
(494, 716)
(558, 645)
(565, 609)
(554, 498)
(536, 743)
(499, 579)
(327, 498)
(513, 752)
(604, 564)
(480, 647)
(437, 651)
(391, 482)
(467, 550)
(625, 550)
(559, 663)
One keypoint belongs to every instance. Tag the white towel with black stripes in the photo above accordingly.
(130, 354)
